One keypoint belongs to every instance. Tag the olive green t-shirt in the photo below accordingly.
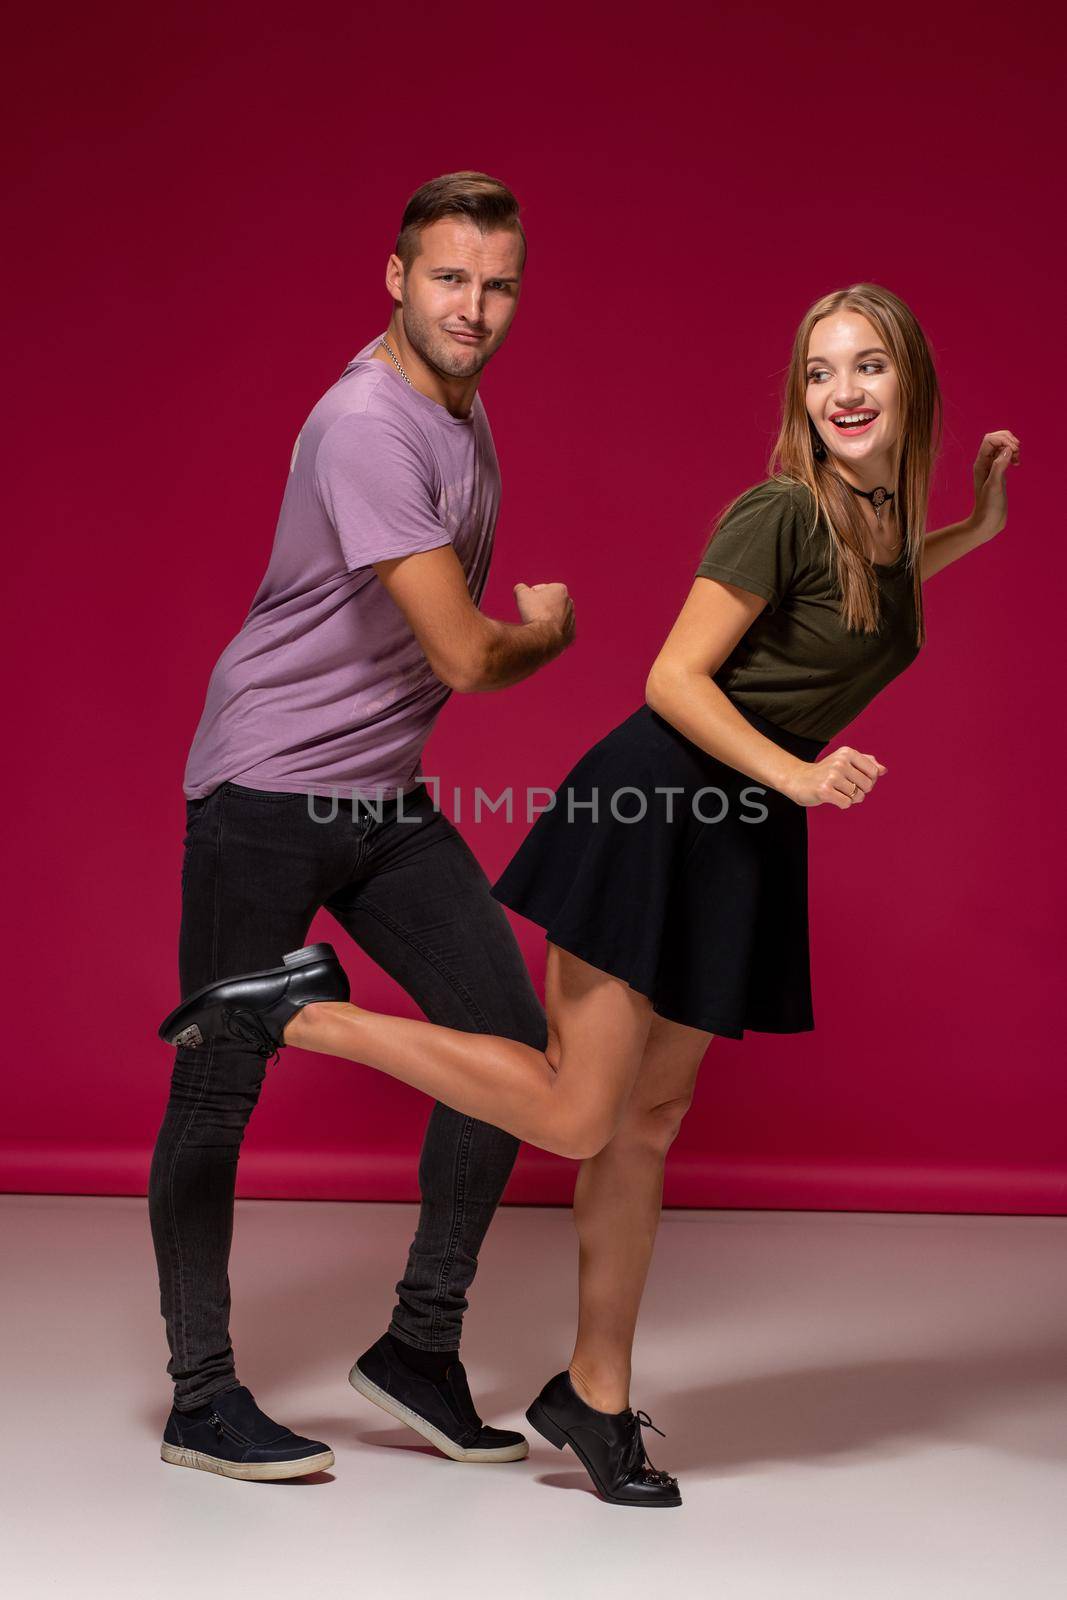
(797, 664)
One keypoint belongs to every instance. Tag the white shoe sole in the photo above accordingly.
(370, 1391)
(263, 1471)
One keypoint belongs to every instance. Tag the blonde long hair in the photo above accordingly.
(794, 458)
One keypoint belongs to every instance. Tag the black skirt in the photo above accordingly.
(669, 869)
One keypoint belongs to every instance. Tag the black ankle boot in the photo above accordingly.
(609, 1445)
(255, 1006)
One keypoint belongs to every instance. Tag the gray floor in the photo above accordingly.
(859, 1407)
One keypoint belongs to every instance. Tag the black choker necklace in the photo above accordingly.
(877, 497)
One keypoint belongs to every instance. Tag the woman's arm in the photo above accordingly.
(998, 451)
(713, 619)
(680, 689)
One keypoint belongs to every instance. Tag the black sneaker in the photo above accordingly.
(254, 1007)
(232, 1436)
(442, 1412)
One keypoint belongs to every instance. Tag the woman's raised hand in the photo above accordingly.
(841, 779)
(997, 452)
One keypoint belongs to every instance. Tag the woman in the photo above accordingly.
(672, 892)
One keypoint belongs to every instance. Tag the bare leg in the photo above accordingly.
(617, 1203)
(567, 1099)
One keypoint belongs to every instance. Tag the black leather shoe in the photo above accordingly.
(442, 1412)
(255, 1006)
(609, 1445)
(230, 1435)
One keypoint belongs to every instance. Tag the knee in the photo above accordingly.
(650, 1130)
(644, 1131)
(211, 1103)
(583, 1134)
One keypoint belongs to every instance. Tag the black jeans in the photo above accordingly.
(256, 868)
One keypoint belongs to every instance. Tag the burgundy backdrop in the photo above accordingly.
(203, 200)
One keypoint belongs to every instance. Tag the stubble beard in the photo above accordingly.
(436, 349)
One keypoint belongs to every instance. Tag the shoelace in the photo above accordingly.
(640, 1457)
(251, 1029)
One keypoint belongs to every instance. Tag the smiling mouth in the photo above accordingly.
(853, 421)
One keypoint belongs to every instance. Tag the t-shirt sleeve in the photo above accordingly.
(755, 545)
(376, 487)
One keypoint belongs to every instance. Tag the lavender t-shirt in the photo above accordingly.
(326, 689)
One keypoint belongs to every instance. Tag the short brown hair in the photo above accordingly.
(483, 200)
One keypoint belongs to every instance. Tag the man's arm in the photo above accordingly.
(468, 651)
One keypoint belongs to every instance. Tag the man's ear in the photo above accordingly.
(394, 278)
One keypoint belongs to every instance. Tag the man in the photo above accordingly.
(302, 791)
